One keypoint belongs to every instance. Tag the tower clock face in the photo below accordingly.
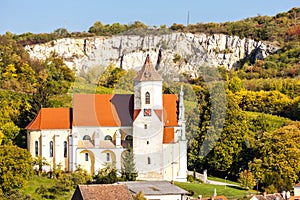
(147, 112)
(147, 74)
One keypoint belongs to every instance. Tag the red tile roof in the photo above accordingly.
(103, 192)
(100, 110)
(103, 109)
(136, 113)
(115, 110)
(51, 118)
(168, 135)
(170, 109)
(158, 114)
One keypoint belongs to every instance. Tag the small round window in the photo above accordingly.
(128, 138)
(86, 137)
(108, 137)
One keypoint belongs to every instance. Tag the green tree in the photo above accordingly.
(111, 76)
(40, 162)
(97, 28)
(116, 28)
(61, 31)
(80, 176)
(125, 83)
(277, 159)
(139, 196)
(10, 131)
(54, 81)
(128, 170)
(177, 27)
(196, 158)
(235, 84)
(138, 25)
(227, 154)
(246, 179)
(106, 175)
(92, 74)
(15, 165)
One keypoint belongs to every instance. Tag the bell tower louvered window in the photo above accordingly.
(147, 98)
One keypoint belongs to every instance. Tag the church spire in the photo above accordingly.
(181, 105)
(148, 72)
(181, 119)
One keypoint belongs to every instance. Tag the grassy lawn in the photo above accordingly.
(36, 182)
(222, 180)
(207, 190)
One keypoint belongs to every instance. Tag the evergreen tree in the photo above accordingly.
(128, 170)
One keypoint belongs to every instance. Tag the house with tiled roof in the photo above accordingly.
(156, 190)
(99, 128)
(275, 196)
(102, 192)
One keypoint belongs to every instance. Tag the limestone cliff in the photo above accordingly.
(180, 52)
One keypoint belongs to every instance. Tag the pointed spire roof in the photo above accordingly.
(148, 72)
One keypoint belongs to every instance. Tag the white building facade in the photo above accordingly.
(100, 127)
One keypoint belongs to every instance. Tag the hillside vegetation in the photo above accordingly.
(257, 132)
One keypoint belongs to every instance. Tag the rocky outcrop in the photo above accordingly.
(174, 52)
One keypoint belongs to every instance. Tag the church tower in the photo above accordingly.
(148, 123)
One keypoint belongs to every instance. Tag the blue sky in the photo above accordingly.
(39, 16)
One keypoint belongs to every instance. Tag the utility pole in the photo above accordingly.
(188, 19)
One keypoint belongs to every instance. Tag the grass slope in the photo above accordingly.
(36, 182)
(212, 178)
(207, 190)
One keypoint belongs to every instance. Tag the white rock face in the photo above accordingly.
(179, 52)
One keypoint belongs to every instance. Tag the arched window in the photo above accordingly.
(86, 155)
(147, 98)
(107, 157)
(128, 138)
(149, 161)
(51, 149)
(86, 137)
(36, 148)
(65, 149)
(108, 137)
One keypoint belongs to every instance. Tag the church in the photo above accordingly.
(99, 128)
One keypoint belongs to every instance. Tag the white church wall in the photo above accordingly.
(155, 90)
(103, 131)
(82, 162)
(177, 133)
(168, 159)
(98, 158)
(44, 138)
(147, 146)
(164, 197)
(154, 160)
(182, 174)
(33, 136)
